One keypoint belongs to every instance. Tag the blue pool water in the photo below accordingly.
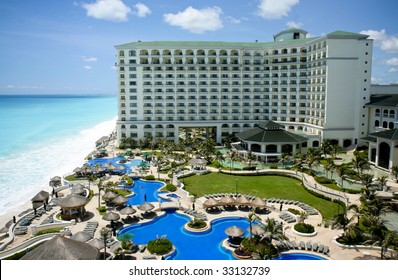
(299, 256)
(189, 246)
(143, 188)
(129, 164)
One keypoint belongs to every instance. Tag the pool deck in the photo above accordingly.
(325, 236)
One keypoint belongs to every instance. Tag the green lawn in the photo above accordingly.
(261, 186)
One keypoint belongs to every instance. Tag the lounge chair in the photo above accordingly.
(315, 247)
(308, 245)
(302, 245)
(320, 248)
(326, 250)
(295, 246)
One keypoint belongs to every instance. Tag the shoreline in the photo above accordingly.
(4, 219)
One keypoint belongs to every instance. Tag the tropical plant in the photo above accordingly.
(126, 244)
(274, 230)
(160, 245)
(394, 172)
(252, 217)
(104, 234)
(382, 181)
(330, 167)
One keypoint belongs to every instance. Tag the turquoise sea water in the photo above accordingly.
(46, 136)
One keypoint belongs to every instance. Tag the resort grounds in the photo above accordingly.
(190, 195)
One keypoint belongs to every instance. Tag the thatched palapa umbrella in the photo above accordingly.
(242, 200)
(227, 200)
(211, 202)
(97, 243)
(258, 202)
(109, 195)
(63, 248)
(120, 200)
(82, 236)
(111, 216)
(146, 206)
(235, 231)
(128, 210)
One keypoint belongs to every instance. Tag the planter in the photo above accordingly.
(304, 234)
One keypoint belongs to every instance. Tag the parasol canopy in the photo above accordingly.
(127, 210)
(211, 202)
(234, 231)
(97, 243)
(109, 195)
(111, 216)
(242, 200)
(82, 236)
(227, 200)
(120, 200)
(258, 202)
(146, 206)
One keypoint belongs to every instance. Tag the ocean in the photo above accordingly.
(47, 136)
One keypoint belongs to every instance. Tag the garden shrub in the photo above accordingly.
(304, 228)
(171, 187)
(197, 223)
(273, 166)
(150, 177)
(294, 211)
(323, 180)
(159, 246)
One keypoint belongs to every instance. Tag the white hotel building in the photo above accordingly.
(316, 87)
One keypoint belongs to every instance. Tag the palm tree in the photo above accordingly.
(233, 155)
(252, 217)
(390, 240)
(360, 163)
(274, 230)
(104, 234)
(218, 156)
(303, 216)
(342, 171)
(376, 231)
(126, 244)
(250, 158)
(312, 158)
(382, 182)
(341, 220)
(100, 188)
(330, 167)
(326, 147)
(394, 172)
(285, 157)
(335, 149)
(366, 180)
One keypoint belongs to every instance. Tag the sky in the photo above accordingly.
(67, 47)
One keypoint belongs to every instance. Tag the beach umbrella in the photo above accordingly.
(258, 202)
(77, 191)
(120, 200)
(211, 202)
(63, 248)
(227, 200)
(128, 210)
(146, 206)
(41, 196)
(234, 231)
(242, 200)
(81, 236)
(77, 170)
(111, 216)
(256, 229)
(109, 195)
(96, 243)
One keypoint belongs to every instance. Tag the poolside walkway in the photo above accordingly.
(324, 235)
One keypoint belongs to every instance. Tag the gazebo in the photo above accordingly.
(198, 163)
(40, 199)
(72, 206)
(55, 182)
(63, 248)
(268, 141)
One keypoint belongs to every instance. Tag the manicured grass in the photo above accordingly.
(261, 186)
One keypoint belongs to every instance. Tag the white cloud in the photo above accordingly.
(113, 10)
(294, 24)
(88, 68)
(387, 43)
(196, 21)
(233, 20)
(89, 59)
(271, 9)
(142, 10)
(392, 61)
(393, 70)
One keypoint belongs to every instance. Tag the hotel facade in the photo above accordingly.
(316, 87)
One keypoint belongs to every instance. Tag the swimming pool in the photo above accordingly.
(144, 189)
(115, 161)
(189, 245)
(299, 256)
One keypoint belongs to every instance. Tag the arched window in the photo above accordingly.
(391, 125)
(385, 113)
(133, 126)
(385, 124)
(377, 112)
(392, 114)
(377, 123)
